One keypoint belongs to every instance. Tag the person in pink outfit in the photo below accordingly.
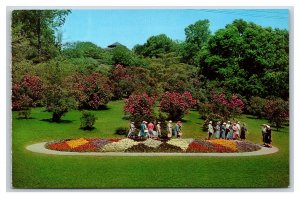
(150, 129)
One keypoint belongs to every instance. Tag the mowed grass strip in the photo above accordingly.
(33, 170)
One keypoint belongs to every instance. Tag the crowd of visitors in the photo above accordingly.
(229, 130)
(153, 130)
(234, 131)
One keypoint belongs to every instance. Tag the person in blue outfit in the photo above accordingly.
(222, 130)
(217, 130)
(177, 129)
(143, 128)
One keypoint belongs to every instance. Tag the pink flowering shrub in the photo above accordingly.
(222, 106)
(91, 91)
(140, 107)
(176, 104)
(27, 92)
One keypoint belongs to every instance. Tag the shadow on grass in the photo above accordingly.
(61, 121)
(100, 108)
(93, 129)
(22, 118)
(253, 117)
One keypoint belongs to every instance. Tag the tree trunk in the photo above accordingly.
(56, 117)
(39, 36)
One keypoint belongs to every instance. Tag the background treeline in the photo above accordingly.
(243, 59)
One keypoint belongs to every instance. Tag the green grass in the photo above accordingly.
(33, 170)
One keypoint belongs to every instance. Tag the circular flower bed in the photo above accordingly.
(150, 145)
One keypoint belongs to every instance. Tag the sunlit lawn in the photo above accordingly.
(32, 170)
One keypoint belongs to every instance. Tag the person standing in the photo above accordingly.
(143, 128)
(210, 130)
(227, 129)
(239, 128)
(177, 129)
(263, 133)
(235, 131)
(170, 128)
(222, 130)
(150, 129)
(158, 129)
(217, 130)
(131, 130)
(268, 136)
(243, 132)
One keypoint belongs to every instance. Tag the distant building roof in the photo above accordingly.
(114, 45)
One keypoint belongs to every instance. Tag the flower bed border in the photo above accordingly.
(40, 148)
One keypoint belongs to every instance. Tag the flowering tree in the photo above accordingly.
(277, 111)
(140, 107)
(176, 104)
(222, 106)
(227, 107)
(133, 80)
(26, 94)
(91, 91)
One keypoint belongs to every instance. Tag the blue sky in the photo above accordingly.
(131, 27)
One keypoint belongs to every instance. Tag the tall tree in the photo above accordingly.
(197, 35)
(156, 46)
(248, 59)
(38, 27)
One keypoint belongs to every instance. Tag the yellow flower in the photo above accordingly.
(77, 142)
(226, 143)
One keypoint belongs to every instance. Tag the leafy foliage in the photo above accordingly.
(156, 46)
(34, 34)
(257, 106)
(87, 120)
(122, 131)
(58, 98)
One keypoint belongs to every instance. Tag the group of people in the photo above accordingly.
(150, 130)
(227, 130)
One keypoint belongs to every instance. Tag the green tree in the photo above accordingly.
(122, 55)
(156, 46)
(57, 95)
(38, 28)
(197, 35)
(248, 59)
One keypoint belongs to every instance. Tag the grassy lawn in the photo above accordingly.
(33, 170)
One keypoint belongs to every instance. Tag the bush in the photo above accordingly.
(27, 92)
(25, 113)
(256, 107)
(277, 111)
(205, 109)
(140, 107)
(227, 106)
(122, 131)
(58, 101)
(176, 104)
(87, 120)
(91, 91)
